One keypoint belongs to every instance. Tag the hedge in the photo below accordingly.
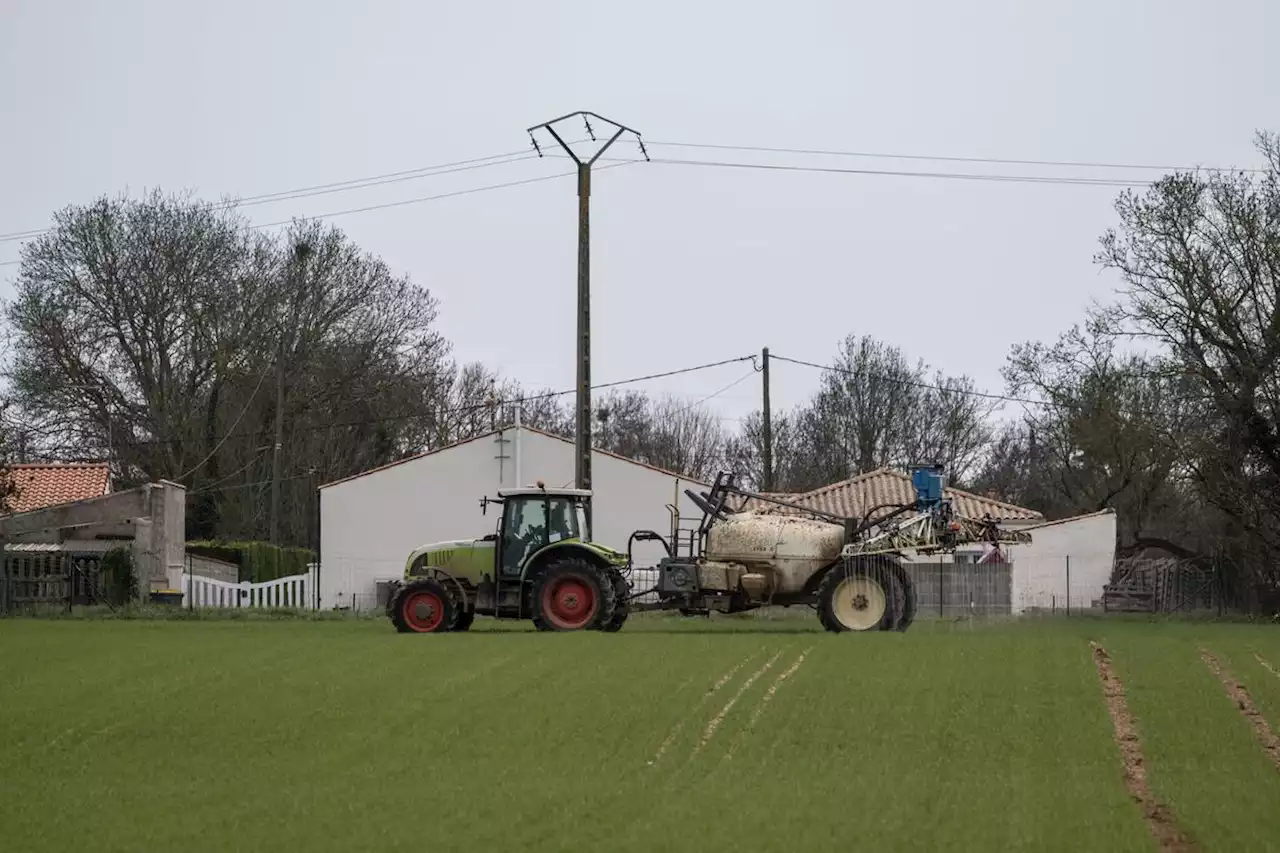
(257, 561)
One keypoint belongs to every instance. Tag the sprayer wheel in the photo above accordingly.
(907, 594)
(856, 597)
(464, 620)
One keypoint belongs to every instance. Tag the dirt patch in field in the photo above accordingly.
(1160, 820)
(1244, 703)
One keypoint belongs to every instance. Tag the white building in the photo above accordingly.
(1066, 564)
(369, 523)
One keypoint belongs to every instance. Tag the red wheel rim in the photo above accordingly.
(569, 603)
(423, 611)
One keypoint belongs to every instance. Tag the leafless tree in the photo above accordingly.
(1199, 255)
(1106, 433)
(872, 409)
(148, 331)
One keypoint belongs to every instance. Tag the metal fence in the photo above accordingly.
(1061, 585)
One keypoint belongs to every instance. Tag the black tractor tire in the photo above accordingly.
(572, 594)
(877, 591)
(908, 595)
(622, 606)
(464, 620)
(423, 607)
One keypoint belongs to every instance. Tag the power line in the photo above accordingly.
(389, 178)
(966, 392)
(962, 176)
(440, 196)
(953, 159)
(416, 200)
(210, 489)
(234, 424)
(517, 156)
(464, 409)
(1066, 404)
(735, 383)
(341, 186)
(257, 457)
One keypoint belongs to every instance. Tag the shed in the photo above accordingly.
(372, 521)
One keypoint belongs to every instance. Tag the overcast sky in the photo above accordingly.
(689, 264)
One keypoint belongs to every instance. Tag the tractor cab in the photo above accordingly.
(534, 518)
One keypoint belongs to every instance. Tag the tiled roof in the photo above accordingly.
(853, 497)
(41, 485)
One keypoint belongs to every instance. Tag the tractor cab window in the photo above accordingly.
(526, 531)
(532, 522)
(564, 520)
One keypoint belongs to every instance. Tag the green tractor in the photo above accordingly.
(540, 564)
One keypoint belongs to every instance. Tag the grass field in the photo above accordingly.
(680, 736)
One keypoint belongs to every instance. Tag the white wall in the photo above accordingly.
(370, 524)
(1040, 577)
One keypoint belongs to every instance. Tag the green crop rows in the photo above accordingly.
(679, 736)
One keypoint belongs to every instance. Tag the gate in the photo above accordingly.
(48, 577)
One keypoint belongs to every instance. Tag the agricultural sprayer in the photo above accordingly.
(541, 563)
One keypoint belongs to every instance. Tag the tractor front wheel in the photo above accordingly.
(570, 594)
(856, 598)
(423, 607)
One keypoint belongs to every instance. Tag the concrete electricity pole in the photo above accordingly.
(766, 424)
(582, 464)
(301, 253)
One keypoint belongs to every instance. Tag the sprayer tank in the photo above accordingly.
(787, 548)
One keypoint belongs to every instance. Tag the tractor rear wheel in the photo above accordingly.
(423, 607)
(571, 594)
(857, 597)
(622, 606)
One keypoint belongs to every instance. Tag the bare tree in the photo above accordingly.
(872, 409)
(148, 331)
(1106, 433)
(1199, 255)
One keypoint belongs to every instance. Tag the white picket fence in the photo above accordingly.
(297, 591)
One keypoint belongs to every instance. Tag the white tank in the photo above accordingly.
(789, 548)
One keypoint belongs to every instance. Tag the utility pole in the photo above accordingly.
(582, 462)
(301, 252)
(766, 423)
(278, 444)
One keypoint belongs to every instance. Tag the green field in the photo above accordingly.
(343, 735)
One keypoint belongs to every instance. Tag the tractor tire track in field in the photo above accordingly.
(1244, 703)
(777, 682)
(1266, 664)
(768, 695)
(728, 706)
(715, 688)
(1160, 819)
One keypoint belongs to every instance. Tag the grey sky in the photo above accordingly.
(690, 264)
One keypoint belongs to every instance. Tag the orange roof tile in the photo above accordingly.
(45, 484)
(853, 497)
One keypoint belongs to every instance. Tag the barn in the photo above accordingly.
(370, 522)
